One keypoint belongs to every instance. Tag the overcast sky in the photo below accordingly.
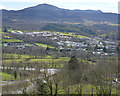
(103, 5)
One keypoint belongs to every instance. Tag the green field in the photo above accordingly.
(73, 34)
(15, 56)
(81, 36)
(43, 45)
(3, 33)
(11, 40)
(6, 77)
(51, 63)
(24, 59)
(7, 36)
(48, 59)
(24, 56)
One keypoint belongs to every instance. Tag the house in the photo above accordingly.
(17, 32)
(5, 44)
(20, 46)
(92, 41)
(96, 53)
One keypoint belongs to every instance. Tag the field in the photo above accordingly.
(44, 45)
(48, 61)
(11, 40)
(73, 34)
(22, 59)
(6, 77)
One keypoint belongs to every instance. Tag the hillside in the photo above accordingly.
(45, 13)
(51, 18)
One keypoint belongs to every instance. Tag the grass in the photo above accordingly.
(6, 77)
(102, 35)
(11, 40)
(81, 36)
(49, 63)
(85, 61)
(15, 56)
(44, 45)
(24, 56)
(3, 33)
(28, 45)
(67, 34)
(48, 59)
(7, 36)
(13, 30)
(40, 45)
(73, 34)
(114, 24)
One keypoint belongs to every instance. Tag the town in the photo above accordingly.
(67, 41)
(29, 57)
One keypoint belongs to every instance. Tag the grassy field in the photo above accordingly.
(48, 59)
(15, 56)
(51, 63)
(6, 77)
(81, 36)
(24, 56)
(24, 59)
(85, 61)
(44, 45)
(7, 37)
(3, 33)
(114, 24)
(73, 34)
(11, 40)
(68, 34)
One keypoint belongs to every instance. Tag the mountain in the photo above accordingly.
(39, 15)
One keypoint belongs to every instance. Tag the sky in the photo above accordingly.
(103, 5)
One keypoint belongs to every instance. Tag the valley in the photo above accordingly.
(53, 51)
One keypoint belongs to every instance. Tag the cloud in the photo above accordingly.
(104, 5)
(59, 0)
(2, 7)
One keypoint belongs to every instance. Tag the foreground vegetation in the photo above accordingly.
(6, 77)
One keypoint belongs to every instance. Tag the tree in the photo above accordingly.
(47, 49)
(100, 76)
(73, 63)
(15, 74)
(56, 80)
(5, 29)
(104, 49)
(49, 80)
(41, 87)
(73, 71)
(96, 47)
(117, 49)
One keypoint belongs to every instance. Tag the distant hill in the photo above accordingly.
(49, 17)
(48, 13)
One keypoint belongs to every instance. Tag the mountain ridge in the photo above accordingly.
(48, 13)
